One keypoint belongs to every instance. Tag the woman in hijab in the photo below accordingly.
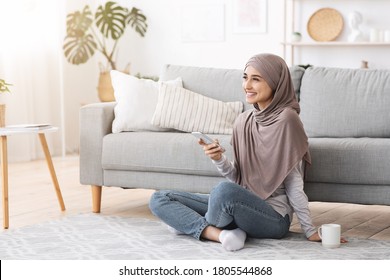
(265, 178)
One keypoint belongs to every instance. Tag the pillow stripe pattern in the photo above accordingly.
(188, 111)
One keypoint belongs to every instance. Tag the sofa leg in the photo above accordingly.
(96, 198)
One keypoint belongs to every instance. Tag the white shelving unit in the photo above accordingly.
(289, 27)
(336, 44)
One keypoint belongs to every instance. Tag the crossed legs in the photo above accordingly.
(227, 215)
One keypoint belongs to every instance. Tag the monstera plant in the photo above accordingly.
(4, 86)
(87, 33)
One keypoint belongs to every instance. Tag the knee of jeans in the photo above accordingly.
(156, 200)
(224, 191)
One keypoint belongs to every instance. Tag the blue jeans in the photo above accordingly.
(228, 206)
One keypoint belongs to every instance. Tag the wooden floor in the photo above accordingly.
(32, 200)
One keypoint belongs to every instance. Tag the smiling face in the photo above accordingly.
(256, 88)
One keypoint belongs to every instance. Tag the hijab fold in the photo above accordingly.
(269, 143)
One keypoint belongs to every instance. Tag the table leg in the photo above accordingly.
(45, 148)
(4, 174)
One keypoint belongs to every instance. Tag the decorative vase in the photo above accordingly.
(2, 115)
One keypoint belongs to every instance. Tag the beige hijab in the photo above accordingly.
(269, 143)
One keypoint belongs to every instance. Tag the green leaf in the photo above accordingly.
(137, 21)
(82, 39)
(78, 23)
(111, 20)
(79, 44)
(4, 86)
(78, 50)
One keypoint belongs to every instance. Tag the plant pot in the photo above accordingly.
(296, 37)
(105, 89)
(2, 115)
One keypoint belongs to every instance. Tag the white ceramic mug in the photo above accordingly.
(330, 235)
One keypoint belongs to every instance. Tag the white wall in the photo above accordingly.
(163, 44)
(29, 60)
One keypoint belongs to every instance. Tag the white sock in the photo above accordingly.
(232, 240)
(173, 230)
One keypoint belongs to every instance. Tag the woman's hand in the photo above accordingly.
(213, 150)
(315, 237)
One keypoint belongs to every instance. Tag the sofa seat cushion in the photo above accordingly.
(166, 152)
(362, 161)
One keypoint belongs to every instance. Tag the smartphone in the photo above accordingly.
(206, 139)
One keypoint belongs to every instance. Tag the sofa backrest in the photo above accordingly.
(221, 84)
(338, 102)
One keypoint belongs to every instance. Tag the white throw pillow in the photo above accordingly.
(136, 102)
(185, 110)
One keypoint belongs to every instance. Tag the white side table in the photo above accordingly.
(4, 133)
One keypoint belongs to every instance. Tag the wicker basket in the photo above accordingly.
(105, 89)
(2, 115)
(325, 24)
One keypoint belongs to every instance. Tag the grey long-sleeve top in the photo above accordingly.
(289, 197)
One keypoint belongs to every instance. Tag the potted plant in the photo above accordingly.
(4, 86)
(3, 89)
(296, 36)
(87, 33)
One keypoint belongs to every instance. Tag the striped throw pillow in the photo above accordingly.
(184, 110)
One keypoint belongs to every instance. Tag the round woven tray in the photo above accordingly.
(325, 24)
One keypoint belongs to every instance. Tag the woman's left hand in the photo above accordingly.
(315, 237)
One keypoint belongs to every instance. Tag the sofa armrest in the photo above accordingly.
(95, 122)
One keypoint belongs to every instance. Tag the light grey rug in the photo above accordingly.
(94, 236)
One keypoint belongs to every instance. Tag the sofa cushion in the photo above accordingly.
(172, 152)
(136, 101)
(345, 102)
(221, 84)
(189, 111)
(361, 161)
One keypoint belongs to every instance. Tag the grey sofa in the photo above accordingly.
(346, 114)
